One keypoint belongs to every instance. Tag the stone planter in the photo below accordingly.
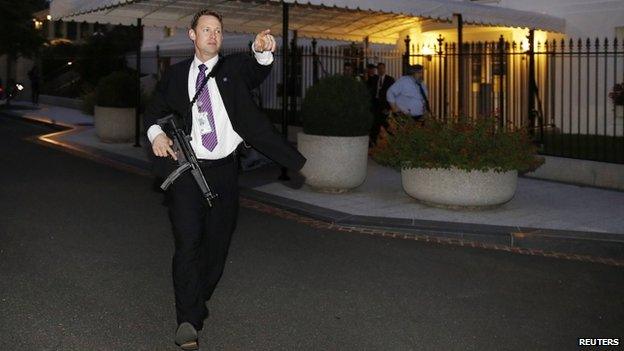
(459, 188)
(335, 164)
(114, 124)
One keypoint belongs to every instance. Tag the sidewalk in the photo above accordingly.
(543, 215)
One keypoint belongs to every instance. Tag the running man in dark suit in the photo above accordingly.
(379, 85)
(223, 116)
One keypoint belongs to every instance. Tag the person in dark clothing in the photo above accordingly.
(378, 87)
(35, 79)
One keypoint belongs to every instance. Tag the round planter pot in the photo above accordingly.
(458, 188)
(114, 124)
(335, 164)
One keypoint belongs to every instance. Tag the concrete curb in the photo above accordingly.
(604, 247)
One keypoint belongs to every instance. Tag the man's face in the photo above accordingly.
(381, 69)
(418, 75)
(348, 70)
(370, 71)
(207, 36)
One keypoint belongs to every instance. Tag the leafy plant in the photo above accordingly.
(104, 52)
(617, 94)
(119, 89)
(18, 36)
(337, 106)
(88, 103)
(464, 144)
(55, 57)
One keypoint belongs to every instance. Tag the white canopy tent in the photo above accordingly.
(379, 20)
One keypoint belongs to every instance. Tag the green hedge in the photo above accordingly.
(337, 106)
(119, 89)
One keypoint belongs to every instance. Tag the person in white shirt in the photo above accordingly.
(409, 94)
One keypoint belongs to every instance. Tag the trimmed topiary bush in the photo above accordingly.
(337, 106)
(119, 89)
(88, 103)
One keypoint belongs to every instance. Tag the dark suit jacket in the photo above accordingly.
(236, 76)
(387, 83)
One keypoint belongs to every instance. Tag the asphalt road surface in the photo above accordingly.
(85, 264)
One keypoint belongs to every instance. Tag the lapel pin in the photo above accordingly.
(225, 79)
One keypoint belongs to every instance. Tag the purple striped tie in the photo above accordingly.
(209, 140)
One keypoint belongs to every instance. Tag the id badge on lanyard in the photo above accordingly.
(204, 123)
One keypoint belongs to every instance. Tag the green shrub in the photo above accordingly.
(119, 89)
(464, 144)
(337, 106)
(103, 54)
(88, 103)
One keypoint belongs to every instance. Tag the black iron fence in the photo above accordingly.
(566, 106)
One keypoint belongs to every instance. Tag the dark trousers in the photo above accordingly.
(35, 95)
(379, 120)
(202, 237)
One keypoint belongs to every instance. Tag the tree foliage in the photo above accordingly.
(18, 36)
(103, 53)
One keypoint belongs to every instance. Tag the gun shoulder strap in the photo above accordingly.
(213, 73)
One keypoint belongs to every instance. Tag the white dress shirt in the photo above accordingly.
(227, 138)
(407, 96)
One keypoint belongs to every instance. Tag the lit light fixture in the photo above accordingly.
(49, 18)
(19, 87)
(427, 50)
(69, 63)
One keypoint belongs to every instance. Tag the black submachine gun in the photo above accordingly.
(187, 160)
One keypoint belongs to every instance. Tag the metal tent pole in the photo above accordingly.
(460, 66)
(285, 85)
(532, 85)
(137, 117)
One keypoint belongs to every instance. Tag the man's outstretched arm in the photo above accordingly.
(255, 70)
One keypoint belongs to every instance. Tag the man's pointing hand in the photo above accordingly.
(265, 41)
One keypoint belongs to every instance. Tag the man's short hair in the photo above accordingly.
(370, 65)
(206, 12)
(380, 64)
(411, 69)
(348, 64)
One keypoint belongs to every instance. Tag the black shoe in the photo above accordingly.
(296, 180)
(186, 337)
